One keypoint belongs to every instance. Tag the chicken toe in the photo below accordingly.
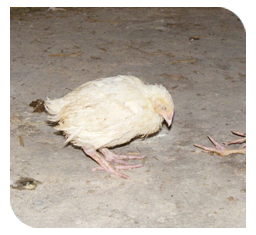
(107, 166)
(120, 167)
(238, 141)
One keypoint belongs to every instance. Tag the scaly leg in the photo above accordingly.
(115, 158)
(221, 150)
(105, 165)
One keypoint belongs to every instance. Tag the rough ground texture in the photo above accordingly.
(180, 186)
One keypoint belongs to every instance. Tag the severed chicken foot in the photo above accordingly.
(221, 150)
(105, 164)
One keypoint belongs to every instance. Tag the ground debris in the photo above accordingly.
(25, 183)
(21, 140)
(38, 106)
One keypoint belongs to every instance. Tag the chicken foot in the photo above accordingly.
(115, 158)
(223, 151)
(106, 165)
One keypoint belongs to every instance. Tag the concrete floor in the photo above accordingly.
(180, 186)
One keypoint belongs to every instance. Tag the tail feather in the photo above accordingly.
(53, 108)
(71, 137)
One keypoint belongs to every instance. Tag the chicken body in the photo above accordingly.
(108, 112)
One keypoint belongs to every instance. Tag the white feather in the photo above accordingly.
(110, 111)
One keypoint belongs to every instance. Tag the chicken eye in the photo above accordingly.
(164, 108)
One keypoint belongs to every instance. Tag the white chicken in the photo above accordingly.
(108, 112)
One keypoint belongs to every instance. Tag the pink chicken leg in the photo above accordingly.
(106, 164)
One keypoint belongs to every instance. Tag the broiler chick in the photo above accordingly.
(108, 112)
(221, 150)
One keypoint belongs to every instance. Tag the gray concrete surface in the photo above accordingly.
(180, 185)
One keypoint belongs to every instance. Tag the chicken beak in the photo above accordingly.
(169, 118)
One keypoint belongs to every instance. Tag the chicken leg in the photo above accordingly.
(223, 151)
(105, 164)
(115, 158)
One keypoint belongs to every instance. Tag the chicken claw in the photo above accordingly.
(105, 164)
(223, 151)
